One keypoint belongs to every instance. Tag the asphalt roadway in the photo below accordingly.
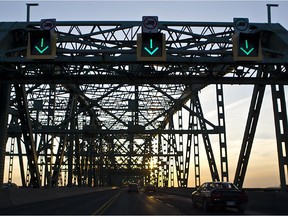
(120, 202)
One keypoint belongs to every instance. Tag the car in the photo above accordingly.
(219, 195)
(9, 185)
(150, 188)
(133, 187)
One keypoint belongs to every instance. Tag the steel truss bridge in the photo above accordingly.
(96, 116)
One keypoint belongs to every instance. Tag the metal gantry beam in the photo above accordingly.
(101, 108)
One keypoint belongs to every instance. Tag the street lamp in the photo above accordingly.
(269, 10)
(28, 10)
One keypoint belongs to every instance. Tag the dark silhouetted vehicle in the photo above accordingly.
(133, 187)
(9, 185)
(219, 195)
(150, 188)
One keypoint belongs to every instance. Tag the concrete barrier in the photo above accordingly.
(270, 202)
(19, 196)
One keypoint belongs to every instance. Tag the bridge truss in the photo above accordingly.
(96, 116)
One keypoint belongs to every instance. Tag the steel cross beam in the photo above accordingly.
(93, 45)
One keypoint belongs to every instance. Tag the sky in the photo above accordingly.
(173, 10)
(263, 165)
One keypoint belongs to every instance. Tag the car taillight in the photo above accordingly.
(243, 196)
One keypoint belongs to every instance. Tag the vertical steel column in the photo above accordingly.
(11, 157)
(281, 128)
(152, 174)
(74, 146)
(84, 163)
(48, 162)
(38, 105)
(165, 162)
(170, 153)
(180, 154)
(222, 135)
(196, 158)
(91, 156)
(207, 142)
(91, 165)
(59, 160)
(159, 167)
(21, 164)
(131, 150)
(62, 147)
(70, 161)
(71, 146)
(78, 158)
(42, 163)
(5, 90)
(195, 141)
(174, 155)
(253, 116)
(28, 180)
(27, 134)
(94, 164)
(76, 142)
(65, 176)
(50, 138)
(101, 162)
(188, 147)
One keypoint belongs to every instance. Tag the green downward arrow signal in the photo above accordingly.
(42, 49)
(247, 51)
(151, 51)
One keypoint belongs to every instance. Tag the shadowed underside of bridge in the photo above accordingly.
(96, 116)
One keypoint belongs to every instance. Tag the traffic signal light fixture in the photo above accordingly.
(247, 47)
(151, 47)
(41, 44)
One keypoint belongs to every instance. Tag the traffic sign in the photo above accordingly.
(149, 24)
(241, 25)
(151, 44)
(41, 44)
(151, 47)
(247, 47)
(48, 24)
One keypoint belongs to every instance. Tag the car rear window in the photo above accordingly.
(229, 186)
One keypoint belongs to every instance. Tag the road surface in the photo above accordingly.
(119, 202)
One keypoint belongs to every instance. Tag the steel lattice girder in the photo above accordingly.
(96, 63)
(105, 52)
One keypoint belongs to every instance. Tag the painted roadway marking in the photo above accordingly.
(106, 205)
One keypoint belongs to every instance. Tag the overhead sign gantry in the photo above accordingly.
(128, 67)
